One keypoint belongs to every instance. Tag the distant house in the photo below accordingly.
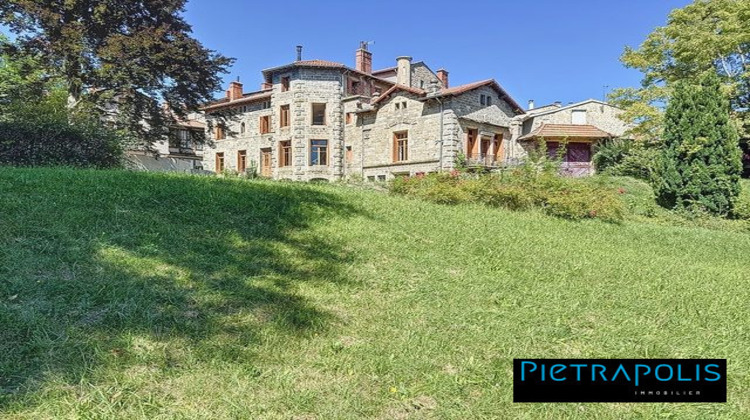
(580, 126)
(321, 120)
(181, 152)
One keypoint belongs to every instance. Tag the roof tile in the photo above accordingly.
(567, 130)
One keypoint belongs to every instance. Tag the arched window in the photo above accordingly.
(242, 128)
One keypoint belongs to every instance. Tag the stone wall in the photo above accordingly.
(471, 114)
(421, 76)
(372, 138)
(308, 86)
(602, 116)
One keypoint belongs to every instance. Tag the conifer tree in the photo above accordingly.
(700, 165)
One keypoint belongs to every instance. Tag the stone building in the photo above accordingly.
(182, 151)
(320, 120)
(579, 126)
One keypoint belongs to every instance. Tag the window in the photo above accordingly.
(265, 124)
(185, 139)
(285, 84)
(242, 128)
(349, 118)
(578, 117)
(400, 146)
(220, 134)
(241, 161)
(284, 116)
(355, 88)
(489, 100)
(318, 152)
(482, 100)
(421, 84)
(371, 178)
(219, 163)
(398, 105)
(349, 154)
(265, 105)
(381, 178)
(244, 108)
(403, 105)
(318, 114)
(285, 153)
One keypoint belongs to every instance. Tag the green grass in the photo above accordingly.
(136, 295)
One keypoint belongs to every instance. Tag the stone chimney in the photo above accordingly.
(531, 104)
(433, 88)
(403, 71)
(558, 104)
(299, 52)
(363, 59)
(442, 74)
(235, 90)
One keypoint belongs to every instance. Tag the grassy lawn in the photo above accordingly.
(136, 295)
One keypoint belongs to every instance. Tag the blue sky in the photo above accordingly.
(546, 50)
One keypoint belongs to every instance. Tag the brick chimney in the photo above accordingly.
(363, 59)
(235, 90)
(266, 86)
(442, 74)
(403, 70)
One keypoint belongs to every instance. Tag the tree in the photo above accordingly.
(21, 78)
(122, 58)
(700, 164)
(706, 36)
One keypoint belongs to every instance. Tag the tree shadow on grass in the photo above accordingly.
(92, 262)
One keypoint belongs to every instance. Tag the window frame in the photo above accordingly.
(219, 168)
(286, 83)
(285, 147)
(264, 124)
(284, 116)
(312, 114)
(401, 154)
(318, 151)
(220, 133)
(241, 161)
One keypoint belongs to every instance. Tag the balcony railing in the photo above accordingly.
(482, 159)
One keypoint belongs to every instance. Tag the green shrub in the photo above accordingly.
(50, 143)
(562, 197)
(742, 204)
(611, 153)
(43, 133)
(620, 157)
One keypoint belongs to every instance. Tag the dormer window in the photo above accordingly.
(285, 84)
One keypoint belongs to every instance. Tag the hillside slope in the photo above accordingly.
(142, 295)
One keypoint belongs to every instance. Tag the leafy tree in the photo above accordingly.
(700, 164)
(121, 59)
(21, 78)
(706, 36)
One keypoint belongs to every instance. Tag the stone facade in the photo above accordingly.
(374, 127)
(599, 114)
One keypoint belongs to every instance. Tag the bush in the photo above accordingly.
(562, 197)
(742, 204)
(620, 157)
(47, 143)
(43, 133)
(611, 153)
